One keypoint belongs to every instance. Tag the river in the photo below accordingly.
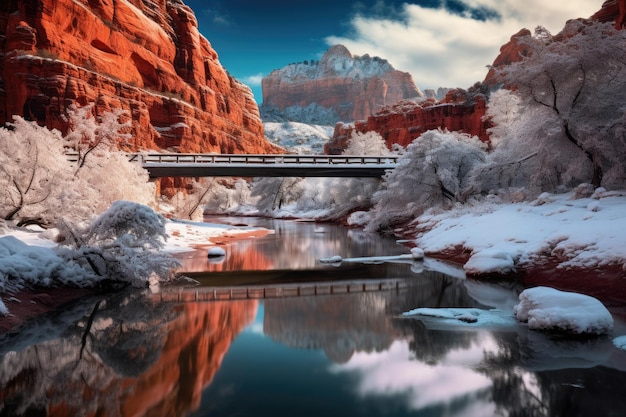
(300, 337)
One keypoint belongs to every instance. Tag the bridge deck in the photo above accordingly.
(245, 165)
(242, 165)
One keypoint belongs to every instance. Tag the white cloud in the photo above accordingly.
(253, 80)
(442, 49)
(397, 372)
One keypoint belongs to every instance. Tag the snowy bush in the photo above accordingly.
(433, 172)
(122, 245)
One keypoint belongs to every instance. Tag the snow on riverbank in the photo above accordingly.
(585, 232)
(28, 258)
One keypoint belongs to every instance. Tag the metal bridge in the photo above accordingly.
(244, 165)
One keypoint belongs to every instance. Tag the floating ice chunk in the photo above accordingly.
(462, 317)
(331, 260)
(545, 308)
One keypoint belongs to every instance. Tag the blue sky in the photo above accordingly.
(442, 43)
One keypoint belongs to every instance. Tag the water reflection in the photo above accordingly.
(133, 354)
(138, 358)
(293, 246)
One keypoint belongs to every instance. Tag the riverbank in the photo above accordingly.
(29, 303)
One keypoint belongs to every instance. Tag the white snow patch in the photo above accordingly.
(462, 317)
(587, 232)
(490, 261)
(620, 342)
(417, 253)
(331, 260)
(545, 308)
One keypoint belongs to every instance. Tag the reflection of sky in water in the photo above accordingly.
(397, 372)
(260, 376)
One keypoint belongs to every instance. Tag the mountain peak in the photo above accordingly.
(341, 85)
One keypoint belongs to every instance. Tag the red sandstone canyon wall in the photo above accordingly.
(145, 57)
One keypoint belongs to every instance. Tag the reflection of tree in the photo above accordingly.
(559, 379)
(434, 290)
(140, 358)
(340, 324)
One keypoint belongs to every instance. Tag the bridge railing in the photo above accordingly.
(181, 158)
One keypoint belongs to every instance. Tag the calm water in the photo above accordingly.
(331, 354)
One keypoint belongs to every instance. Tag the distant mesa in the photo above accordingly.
(338, 87)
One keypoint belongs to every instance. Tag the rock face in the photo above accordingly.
(145, 56)
(405, 121)
(514, 50)
(612, 11)
(339, 87)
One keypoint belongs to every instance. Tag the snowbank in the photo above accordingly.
(546, 308)
(586, 232)
(29, 260)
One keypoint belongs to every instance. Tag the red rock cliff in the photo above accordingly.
(351, 87)
(405, 121)
(144, 56)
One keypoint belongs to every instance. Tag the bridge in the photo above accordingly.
(244, 165)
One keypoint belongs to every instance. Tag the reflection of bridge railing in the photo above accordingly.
(277, 290)
(244, 165)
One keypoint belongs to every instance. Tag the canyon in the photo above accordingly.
(147, 58)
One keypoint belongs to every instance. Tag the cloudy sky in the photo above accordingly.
(442, 43)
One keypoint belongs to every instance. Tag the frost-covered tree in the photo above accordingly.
(88, 132)
(274, 193)
(433, 172)
(332, 198)
(211, 195)
(573, 87)
(368, 143)
(43, 186)
(33, 172)
(121, 245)
(503, 109)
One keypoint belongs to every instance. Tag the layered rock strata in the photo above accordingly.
(341, 86)
(405, 121)
(146, 57)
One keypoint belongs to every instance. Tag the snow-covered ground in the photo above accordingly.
(28, 258)
(586, 232)
(299, 138)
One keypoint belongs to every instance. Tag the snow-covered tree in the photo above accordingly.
(211, 195)
(368, 143)
(573, 85)
(33, 172)
(88, 132)
(332, 198)
(433, 172)
(274, 193)
(503, 109)
(121, 245)
(43, 186)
